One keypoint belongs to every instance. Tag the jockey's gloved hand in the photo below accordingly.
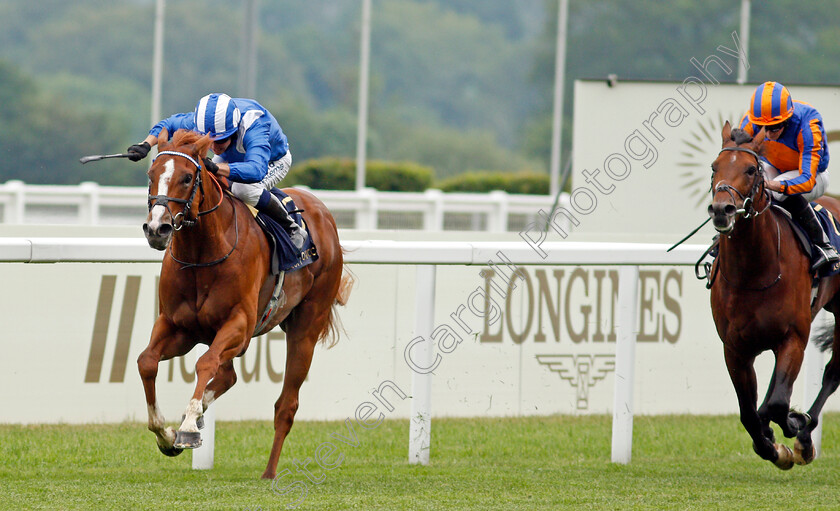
(138, 151)
(210, 166)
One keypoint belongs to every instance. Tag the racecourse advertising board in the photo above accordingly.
(510, 340)
(643, 150)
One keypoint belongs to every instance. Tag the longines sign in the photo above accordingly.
(542, 340)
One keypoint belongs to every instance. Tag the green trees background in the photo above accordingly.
(456, 85)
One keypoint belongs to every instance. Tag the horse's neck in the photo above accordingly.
(207, 238)
(753, 248)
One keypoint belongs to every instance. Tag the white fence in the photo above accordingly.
(369, 209)
(427, 255)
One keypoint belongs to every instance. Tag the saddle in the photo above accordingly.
(285, 257)
(830, 227)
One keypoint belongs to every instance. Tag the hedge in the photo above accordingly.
(340, 174)
(532, 183)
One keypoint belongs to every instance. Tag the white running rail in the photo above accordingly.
(368, 209)
(426, 255)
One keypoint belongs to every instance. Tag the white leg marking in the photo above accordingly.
(157, 425)
(194, 411)
(209, 397)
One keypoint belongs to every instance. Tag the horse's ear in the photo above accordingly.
(163, 139)
(726, 134)
(759, 138)
(203, 145)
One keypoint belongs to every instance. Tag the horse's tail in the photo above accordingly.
(822, 334)
(334, 328)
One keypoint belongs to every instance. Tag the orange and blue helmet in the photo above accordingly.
(770, 104)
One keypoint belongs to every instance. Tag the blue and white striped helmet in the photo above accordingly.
(217, 115)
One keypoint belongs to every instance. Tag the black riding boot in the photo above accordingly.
(278, 212)
(807, 218)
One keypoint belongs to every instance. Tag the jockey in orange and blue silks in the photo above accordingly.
(795, 158)
(250, 150)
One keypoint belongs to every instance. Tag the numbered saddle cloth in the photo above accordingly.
(284, 255)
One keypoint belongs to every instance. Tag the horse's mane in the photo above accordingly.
(185, 137)
(740, 136)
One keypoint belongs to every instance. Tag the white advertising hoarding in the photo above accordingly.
(509, 341)
(643, 151)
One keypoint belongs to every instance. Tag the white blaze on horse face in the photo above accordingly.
(158, 210)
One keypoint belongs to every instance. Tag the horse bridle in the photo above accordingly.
(748, 210)
(747, 202)
(164, 200)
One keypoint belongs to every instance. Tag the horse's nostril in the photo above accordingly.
(711, 211)
(165, 230)
(730, 209)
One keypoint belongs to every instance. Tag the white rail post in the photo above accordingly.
(625, 362)
(202, 458)
(813, 369)
(420, 430)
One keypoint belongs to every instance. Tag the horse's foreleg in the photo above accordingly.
(777, 402)
(225, 379)
(164, 344)
(742, 374)
(226, 345)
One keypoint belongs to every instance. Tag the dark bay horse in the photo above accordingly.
(761, 300)
(215, 283)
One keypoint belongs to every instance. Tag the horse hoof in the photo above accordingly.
(199, 423)
(785, 459)
(803, 455)
(797, 421)
(170, 451)
(190, 440)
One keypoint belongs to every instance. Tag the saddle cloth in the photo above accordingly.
(285, 256)
(830, 227)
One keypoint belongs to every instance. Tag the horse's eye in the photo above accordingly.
(713, 169)
(751, 171)
(187, 179)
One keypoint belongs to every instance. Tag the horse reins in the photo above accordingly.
(164, 200)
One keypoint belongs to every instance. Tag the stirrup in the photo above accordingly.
(825, 255)
(299, 237)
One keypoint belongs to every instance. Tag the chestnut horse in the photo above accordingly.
(215, 283)
(761, 299)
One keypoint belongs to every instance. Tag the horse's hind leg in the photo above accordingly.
(164, 344)
(299, 349)
(742, 374)
(303, 329)
(804, 447)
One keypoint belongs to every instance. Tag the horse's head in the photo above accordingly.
(737, 178)
(174, 179)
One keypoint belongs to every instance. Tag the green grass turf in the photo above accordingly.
(679, 462)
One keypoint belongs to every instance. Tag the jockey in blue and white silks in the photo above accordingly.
(250, 149)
